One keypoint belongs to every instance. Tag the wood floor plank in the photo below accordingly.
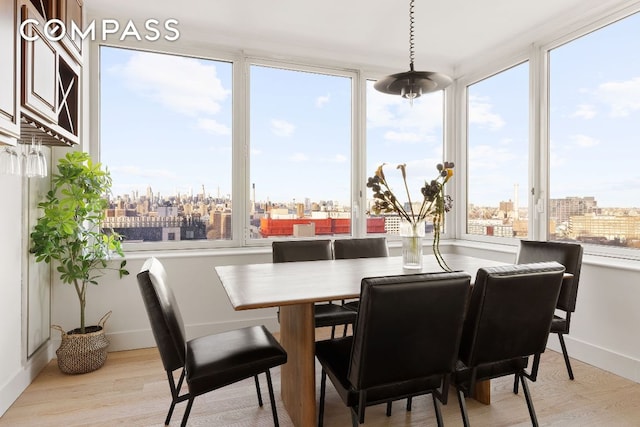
(131, 390)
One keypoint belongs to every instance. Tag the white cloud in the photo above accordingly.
(584, 111)
(184, 85)
(584, 141)
(484, 157)
(299, 157)
(623, 98)
(395, 112)
(212, 126)
(556, 161)
(282, 127)
(322, 100)
(402, 136)
(339, 158)
(480, 112)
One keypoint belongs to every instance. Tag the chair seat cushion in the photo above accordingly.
(559, 325)
(214, 361)
(489, 370)
(335, 356)
(333, 314)
(352, 305)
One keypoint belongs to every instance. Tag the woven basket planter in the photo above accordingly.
(82, 353)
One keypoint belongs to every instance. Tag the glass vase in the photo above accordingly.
(412, 236)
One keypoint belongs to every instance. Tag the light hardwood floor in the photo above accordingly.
(131, 390)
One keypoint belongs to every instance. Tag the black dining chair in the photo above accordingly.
(368, 247)
(209, 362)
(507, 322)
(377, 364)
(569, 255)
(326, 314)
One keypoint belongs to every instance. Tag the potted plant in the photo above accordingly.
(69, 234)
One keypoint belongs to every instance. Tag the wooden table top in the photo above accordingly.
(252, 286)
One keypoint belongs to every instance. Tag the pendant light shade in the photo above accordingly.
(412, 84)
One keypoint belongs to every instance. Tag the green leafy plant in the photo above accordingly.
(69, 231)
(434, 202)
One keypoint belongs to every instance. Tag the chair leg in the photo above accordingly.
(187, 410)
(333, 332)
(516, 381)
(409, 402)
(389, 405)
(272, 397)
(436, 407)
(258, 390)
(566, 356)
(346, 327)
(362, 406)
(527, 395)
(463, 408)
(354, 418)
(323, 385)
(175, 394)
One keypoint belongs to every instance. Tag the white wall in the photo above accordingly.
(203, 303)
(10, 286)
(602, 331)
(16, 370)
(603, 328)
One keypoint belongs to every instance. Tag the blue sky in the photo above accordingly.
(171, 127)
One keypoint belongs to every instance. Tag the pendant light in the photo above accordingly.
(412, 84)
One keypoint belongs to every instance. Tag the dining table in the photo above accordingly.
(295, 287)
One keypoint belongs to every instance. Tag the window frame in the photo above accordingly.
(538, 55)
(455, 128)
(544, 49)
(247, 63)
(462, 125)
(240, 192)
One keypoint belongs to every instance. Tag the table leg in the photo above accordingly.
(298, 378)
(482, 392)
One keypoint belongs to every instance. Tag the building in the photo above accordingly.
(562, 209)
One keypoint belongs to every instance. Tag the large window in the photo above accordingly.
(594, 119)
(498, 160)
(300, 156)
(399, 132)
(165, 136)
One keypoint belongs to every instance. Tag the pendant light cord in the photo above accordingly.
(411, 34)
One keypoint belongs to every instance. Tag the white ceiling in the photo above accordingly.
(363, 32)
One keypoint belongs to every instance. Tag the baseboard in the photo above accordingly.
(599, 357)
(13, 388)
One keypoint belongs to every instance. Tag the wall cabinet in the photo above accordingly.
(39, 69)
(9, 74)
(70, 12)
(51, 71)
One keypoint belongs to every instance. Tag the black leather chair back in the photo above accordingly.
(164, 314)
(408, 327)
(372, 247)
(510, 312)
(567, 254)
(301, 250)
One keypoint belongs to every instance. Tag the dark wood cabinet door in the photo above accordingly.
(70, 12)
(9, 82)
(39, 69)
